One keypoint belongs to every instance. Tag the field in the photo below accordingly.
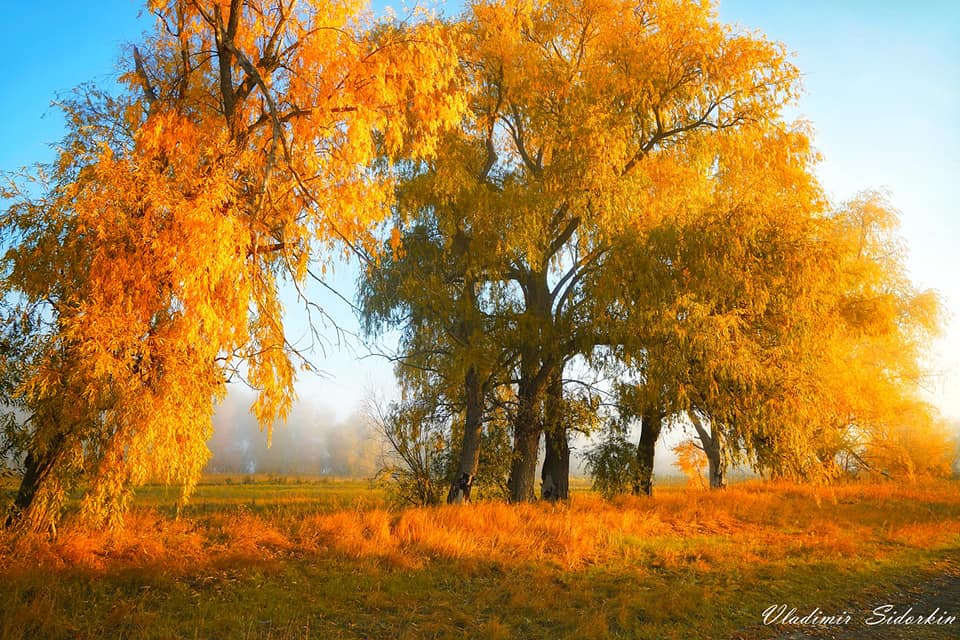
(255, 558)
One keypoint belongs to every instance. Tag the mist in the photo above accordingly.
(313, 441)
(316, 441)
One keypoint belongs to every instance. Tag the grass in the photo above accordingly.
(265, 494)
(328, 560)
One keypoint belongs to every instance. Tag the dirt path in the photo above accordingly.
(938, 595)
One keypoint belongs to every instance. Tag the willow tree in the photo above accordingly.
(587, 107)
(716, 292)
(866, 353)
(429, 286)
(843, 359)
(790, 334)
(249, 139)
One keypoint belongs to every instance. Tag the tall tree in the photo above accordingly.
(244, 146)
(586, 109)
(724, 288)
(430, 288)
(869, 347)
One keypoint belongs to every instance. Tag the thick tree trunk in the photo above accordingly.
(555, 476)
(651, 422)
(526, 443)
(535, 369)
(28, 511)
(713, 447)
(523, 471)
(718, 478)
(472, 430)
(473, 398)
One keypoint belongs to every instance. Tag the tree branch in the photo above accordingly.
(148, 91)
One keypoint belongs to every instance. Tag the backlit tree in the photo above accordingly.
(251, 138)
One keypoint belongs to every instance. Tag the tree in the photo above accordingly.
(415, 461)
(705, 300)
(582, 116)
(428, 283)
(872, 341)
(810, 346)
(623, 190)
(614, 466)
(691, 460)
(250, 139)
(713, 449)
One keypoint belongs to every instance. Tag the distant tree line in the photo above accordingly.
(311, 443)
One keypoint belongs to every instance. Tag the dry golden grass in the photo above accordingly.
(746, 522)
(631, 568)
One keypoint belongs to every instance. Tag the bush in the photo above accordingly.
(614, 467)
(414, 466)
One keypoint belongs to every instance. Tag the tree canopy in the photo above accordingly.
(625, 191)
(250, 139)
(548, 193)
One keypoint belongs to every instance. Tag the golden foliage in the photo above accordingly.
(590, 122)
(692, 461)
(250, 140)
(586, 172)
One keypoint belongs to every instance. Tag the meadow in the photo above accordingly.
(282, 558)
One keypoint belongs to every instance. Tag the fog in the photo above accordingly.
(312, 442)
(315, 441)
(663, 460)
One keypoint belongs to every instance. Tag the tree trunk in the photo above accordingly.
(651, 422)
(718, 478)
(472, 430)
(535, 371)
(28, 487)
(528, 425)
(555, 475)
(526, 443)
(30, 511)
(523, 471)
(713, 447)
(473, 397)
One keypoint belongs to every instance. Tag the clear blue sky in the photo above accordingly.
(882, 86)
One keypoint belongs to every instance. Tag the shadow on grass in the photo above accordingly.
(335, 596)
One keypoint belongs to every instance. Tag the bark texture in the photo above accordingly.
(555, 475)
(651, 423)
(472, 431)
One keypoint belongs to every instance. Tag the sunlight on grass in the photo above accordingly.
(302, 565)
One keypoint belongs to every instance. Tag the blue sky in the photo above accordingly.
(882, 84)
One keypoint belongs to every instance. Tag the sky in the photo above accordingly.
(882, 91)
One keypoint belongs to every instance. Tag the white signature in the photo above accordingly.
(884, 614)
